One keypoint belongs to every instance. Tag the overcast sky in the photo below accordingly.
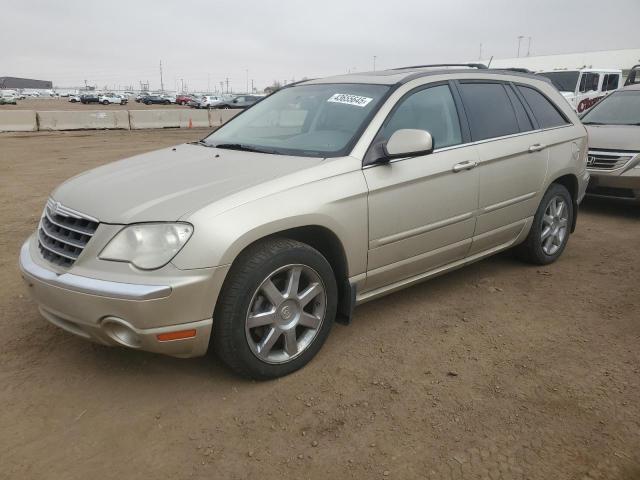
(120, 42)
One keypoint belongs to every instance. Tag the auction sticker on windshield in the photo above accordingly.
(347, 99)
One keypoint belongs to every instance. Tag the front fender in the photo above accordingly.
(337, 203)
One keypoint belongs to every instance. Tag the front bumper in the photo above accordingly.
(128, 314)
(623, 185)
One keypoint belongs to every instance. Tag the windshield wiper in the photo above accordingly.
(243, 148)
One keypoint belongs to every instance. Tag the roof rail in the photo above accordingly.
(479, 66)
(515, 69)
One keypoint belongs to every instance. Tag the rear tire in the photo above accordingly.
(105, 102)
(551, 228)
(275, 310)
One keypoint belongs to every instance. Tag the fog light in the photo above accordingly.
(121, 332)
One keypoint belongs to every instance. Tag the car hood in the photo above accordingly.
(166, 184)
(614, 137)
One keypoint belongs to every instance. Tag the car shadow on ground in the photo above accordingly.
(609, 207)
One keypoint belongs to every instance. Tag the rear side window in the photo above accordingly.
(589, 82)
(610, 82)
(489, 110)
(545, 112)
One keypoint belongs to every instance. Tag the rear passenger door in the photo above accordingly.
(512, 161)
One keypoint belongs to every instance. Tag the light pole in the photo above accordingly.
(520, 37)
(529, 47)
(247, 72)
(374, 62)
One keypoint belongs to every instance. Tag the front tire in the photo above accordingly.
(275, 310)
(551, 227)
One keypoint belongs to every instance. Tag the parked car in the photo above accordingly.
(183, 99)
(634, 76)
(8, 100)
(155, 99)
(91, 97)
(585, 87)
(614, 145)
(171, 98)
(195, 101)
(241, 101)
(111, 98)
(209, 101)
(74, 98)
(324, 195)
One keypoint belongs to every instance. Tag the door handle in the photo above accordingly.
(458, 167)
(536, 147)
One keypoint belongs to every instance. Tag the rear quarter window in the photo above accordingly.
(545, 112)
(489, 110)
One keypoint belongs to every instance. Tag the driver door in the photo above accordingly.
(422, 210)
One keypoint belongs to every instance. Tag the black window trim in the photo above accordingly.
(371, 156)
(553, 104)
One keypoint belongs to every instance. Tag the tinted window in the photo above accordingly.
(563, 81)
(524, 122)
(545, 112)
(610, 82)
(431, 109)
(589, 82)
(489, 110)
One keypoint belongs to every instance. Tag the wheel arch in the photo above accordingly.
(327, 242)
(570, 182)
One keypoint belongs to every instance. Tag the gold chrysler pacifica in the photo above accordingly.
(322, 196)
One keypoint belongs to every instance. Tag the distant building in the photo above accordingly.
(622, 59)
(14, 82)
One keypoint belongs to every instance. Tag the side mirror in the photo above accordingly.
(408, 142)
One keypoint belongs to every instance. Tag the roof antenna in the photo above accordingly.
(490, 60)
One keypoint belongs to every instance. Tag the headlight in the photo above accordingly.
(147, 245)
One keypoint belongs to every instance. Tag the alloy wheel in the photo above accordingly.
(555, 223)
(286, 313)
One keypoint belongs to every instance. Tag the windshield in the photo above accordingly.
(308, 120)
(563, 81)
(619, 108)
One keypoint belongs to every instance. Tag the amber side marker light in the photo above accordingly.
(166, 337)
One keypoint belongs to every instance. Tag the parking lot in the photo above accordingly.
(499, 370)
(47, 104)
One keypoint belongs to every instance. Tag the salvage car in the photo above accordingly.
(324, 195)
(112, 98)
(92, 97)
(241, 101)
(614, 145)
(8, 100)
(156, 100)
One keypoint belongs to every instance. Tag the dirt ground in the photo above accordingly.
(47, 104)
(498, 370)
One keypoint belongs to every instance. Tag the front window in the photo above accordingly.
(320, 120)
(589, 82)
(563, 81)
(619, 108)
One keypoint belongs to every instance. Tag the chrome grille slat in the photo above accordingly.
(608, 160)
(63, 234)
(61, 237)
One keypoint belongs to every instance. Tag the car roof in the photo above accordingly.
(406, 74)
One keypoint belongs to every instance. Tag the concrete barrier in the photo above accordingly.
(221, 116)
(21, 121)
(139, 119)
(84, 120)
(175, 118)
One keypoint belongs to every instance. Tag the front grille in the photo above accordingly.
(607, 160)
(63, 234)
